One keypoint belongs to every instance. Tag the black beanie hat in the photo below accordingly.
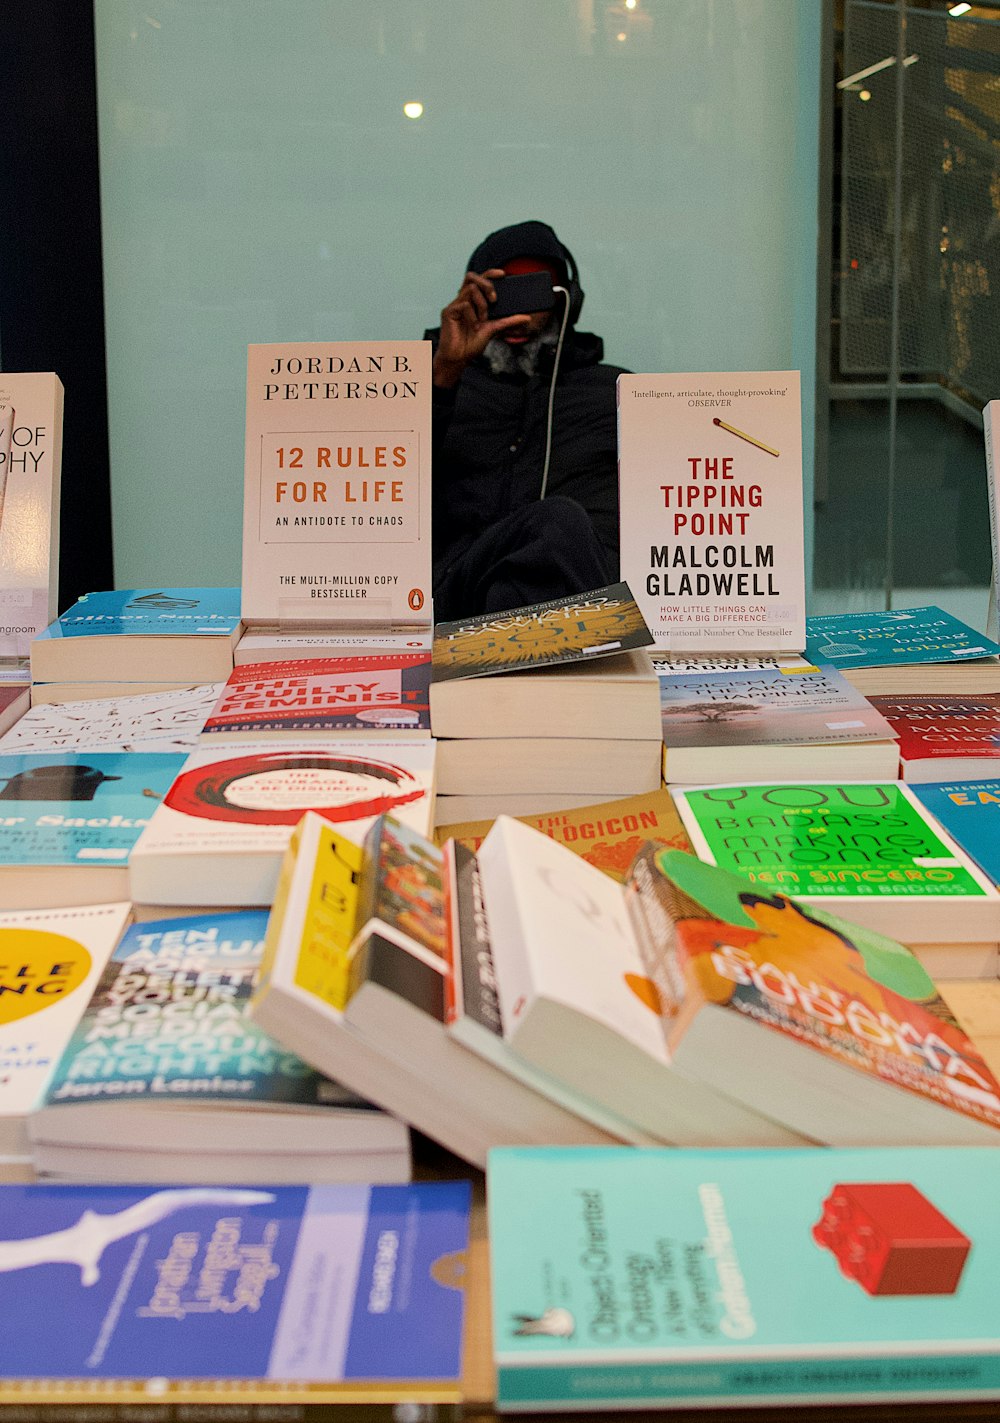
(523, 239)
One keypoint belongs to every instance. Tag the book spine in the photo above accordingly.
(6, 437)
(992, 475)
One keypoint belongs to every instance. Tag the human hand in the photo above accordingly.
(466, 326)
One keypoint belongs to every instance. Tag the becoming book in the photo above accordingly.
(166, 1077)
(866, 850)
(224, 825)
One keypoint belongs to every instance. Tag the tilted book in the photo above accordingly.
(866, 850)
(224, 825)
(50, 962)
(648, 1279)
(902, 638)
(31, 430)
(337, 494)
(710, 491)
(281, 1295)
(166, 1074)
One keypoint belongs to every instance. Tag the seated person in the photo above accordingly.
(525, 454)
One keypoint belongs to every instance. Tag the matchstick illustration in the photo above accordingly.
(742, 435)
(6, 437)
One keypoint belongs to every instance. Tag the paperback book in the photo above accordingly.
(866, 850)
(991, 432)
(710, 484)
(647, 1279)
(167, 1078)
(213, 1292)
(901, 638)
(151, 721)
(141, 635)
(382, 694)
(759, 717)
(273, 645)
(224, 825)
(50, 962)
(69, 822)
(969, 810)
(31, 429)
(944, 737)
(337, 501)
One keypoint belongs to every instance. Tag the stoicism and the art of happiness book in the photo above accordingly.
(710, 474)
(337, 501)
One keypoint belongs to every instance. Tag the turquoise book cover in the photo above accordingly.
(168, 612)
(892, 639)
(649, 1277)
(79, 809)
(970, 812)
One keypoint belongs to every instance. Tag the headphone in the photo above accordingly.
(574, 291)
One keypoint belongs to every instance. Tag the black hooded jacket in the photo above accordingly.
(489, 446)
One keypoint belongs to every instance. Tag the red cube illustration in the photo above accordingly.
(888, 1237)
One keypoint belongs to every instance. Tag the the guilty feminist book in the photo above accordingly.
(710, 485)
(337, 502)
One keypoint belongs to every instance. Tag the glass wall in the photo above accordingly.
(262, 181)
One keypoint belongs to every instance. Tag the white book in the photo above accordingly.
(337, 493)
(150, 721)
(710, 486)
(273, 645)
(50, 962)
(223, 827)
(574, 999)
(31, 405)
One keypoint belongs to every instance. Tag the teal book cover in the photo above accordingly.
(654, 1277)
(970, 812)
(168, 612)
(892, 639)
(169, 1021)
(79, 809)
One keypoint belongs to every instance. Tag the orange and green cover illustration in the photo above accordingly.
(592, 624)
(707, 937)
(402, 885)
(608, 835)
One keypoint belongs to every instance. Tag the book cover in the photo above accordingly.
(592, 624)
(607, 835)
(791, 701)
(362, 693)
(226, 820)
(710, 488)
(337, 495)
(902, 638)
(300, 1292)
(50, 962)
(168, 1022)
(69, 808)
(641, 1279)
(945, 732)
(150, 612)
(970, 812)
(403, 890)
(148, 721)
(836, 844)
(773, 968)
(31, 427)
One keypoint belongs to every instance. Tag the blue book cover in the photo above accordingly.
(79, 809)
(168, 1021)
(652, 1277)
(910, 635)
(327, 1286)
(168, 612)
(970, 812)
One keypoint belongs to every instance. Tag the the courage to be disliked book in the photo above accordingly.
(588, 625)
(727, 1278)
(337, 494)
(899, 638)
(301, 1293)
(710, 484)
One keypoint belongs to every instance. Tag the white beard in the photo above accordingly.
(505, 360)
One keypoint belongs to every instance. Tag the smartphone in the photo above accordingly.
(522, 294)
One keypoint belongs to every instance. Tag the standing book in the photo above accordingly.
(648, 1279)
(866, 850)
(31, 430)
(710, 486)
(50, 962)
(167, 1078)
(282, 1295)
(337, 494)
(225, 823)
